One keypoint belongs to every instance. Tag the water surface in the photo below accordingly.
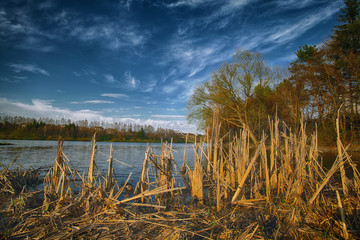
(41, 154)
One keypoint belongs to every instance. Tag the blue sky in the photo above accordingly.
(138, 61)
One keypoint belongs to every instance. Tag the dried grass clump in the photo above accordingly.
(13, 181)
(273, 189)
(281, 180)
(14, 194)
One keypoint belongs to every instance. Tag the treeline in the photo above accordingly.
(50, 129)
(321, 83)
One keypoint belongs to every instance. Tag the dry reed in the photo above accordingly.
(274, 187)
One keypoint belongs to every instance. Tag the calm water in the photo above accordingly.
(42, 154)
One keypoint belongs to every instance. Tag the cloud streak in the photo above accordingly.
(44, 108)
(187, 3)
(193, 54)
(92, 102)
(168, 116)
(28, 68)
(112, 33)
(287, 32)
(114, 95)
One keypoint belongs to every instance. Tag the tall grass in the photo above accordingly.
(282, 170)
(274, 188)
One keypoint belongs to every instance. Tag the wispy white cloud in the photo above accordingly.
(151, 102)
(191, 56)
(125, 4)
(20, 77)
(114, 95)
(97, 101)
(46, 4)
(168, 116)
(36, 43)
(170, 89)
(109, 33)
(187, 3)
(218, 13)
(8, 26)
(174, 86)
(111, 81)
(17, 67)
(110, 78)
(194, 56)
(149, 86)
(44, 108)
(194, 59)
(77, 74)
(172, 72)
(130, 80)
(295, 4)
(17, 22)
(279, 32)
(286, 32)
(225, 14)
(92, 102)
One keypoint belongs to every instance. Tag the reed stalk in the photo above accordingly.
(183, 166)
(109, 183)
(196, 177)
(92, 161)
(266, 171)
(56, 171)
(243, 179)
(340, 154)
(341, 210)
(143, 183)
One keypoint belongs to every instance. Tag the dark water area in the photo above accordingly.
(327, 159)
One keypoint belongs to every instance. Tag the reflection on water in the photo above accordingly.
(42, 154)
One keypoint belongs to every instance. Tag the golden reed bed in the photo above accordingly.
(275, 189)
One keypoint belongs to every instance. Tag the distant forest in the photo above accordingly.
(51, 129)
